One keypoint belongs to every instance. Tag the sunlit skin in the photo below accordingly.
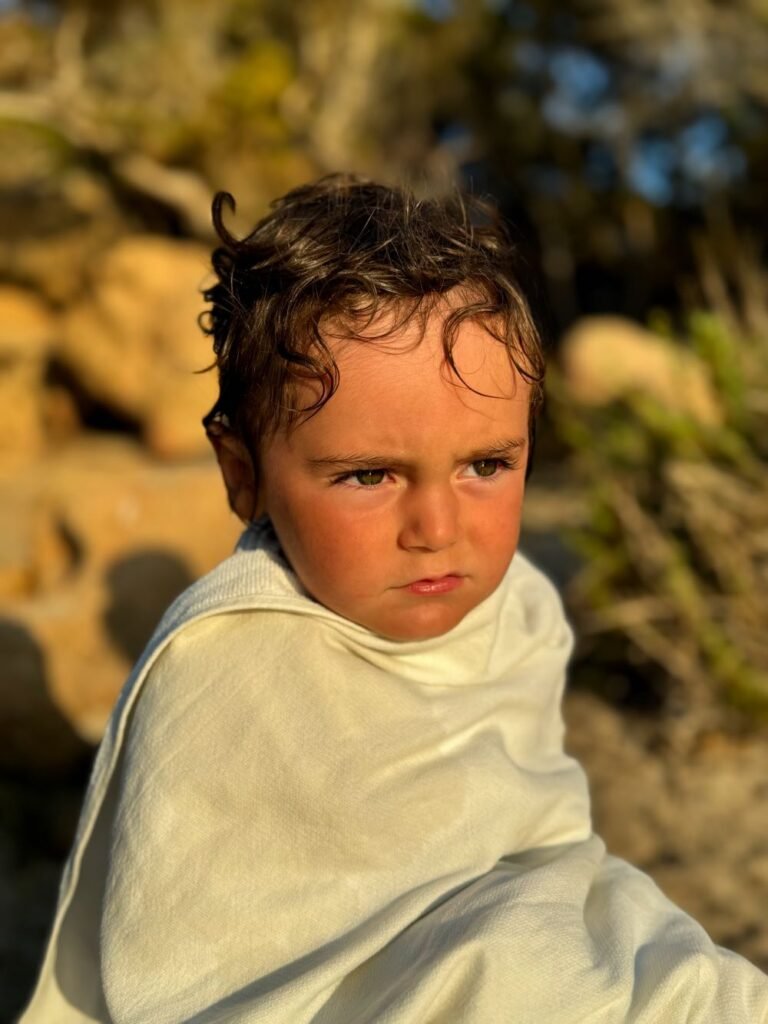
(432, 493)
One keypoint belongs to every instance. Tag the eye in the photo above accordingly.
(487, 468)
(369, 477)
(365, 478)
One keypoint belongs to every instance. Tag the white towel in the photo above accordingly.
(292, 819)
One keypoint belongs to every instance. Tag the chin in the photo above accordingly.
(415, 626)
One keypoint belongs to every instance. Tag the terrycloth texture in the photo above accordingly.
(293, 820)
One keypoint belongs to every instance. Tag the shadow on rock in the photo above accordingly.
(36, 740)
(43, 769)
(141, 586)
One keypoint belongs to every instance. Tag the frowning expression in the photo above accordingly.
(398, 504)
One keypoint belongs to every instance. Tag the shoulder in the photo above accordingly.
(538, 603)
(218, 671)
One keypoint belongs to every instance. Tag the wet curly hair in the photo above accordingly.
(326, 260)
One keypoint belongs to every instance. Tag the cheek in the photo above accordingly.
(498, 531)
(338, 543)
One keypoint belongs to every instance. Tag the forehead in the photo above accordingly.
(396, 386)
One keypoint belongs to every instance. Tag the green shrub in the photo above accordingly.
(675, 547)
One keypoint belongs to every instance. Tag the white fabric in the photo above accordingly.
(292, 820)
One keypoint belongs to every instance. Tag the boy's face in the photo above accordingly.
(400, 479)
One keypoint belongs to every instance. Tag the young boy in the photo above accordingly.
(334, 788)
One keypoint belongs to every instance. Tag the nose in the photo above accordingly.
(429, 519)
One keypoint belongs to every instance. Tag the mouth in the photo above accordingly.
(435, 584)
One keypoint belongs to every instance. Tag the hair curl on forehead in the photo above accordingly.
(328, 260)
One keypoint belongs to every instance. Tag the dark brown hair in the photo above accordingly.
(333, 255)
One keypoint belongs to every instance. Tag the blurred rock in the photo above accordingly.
(172, 428)
(34, 552)
(54, 264)
(26, 327)
(607, 357)
(135, 343)
(97, 541)
(111, 498)
(39, 738)
(26, 335)
(82, 676)
(140, 586)
(598, 738)
(60, 414)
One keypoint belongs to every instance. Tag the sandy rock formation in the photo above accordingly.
(135, 344)
(607, 357)
(99, 531)
(27, 332)
(97, 541)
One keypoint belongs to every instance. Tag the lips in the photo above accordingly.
(435, 584)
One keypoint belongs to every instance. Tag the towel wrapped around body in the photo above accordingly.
(293, 820)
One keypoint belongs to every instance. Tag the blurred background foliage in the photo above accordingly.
(626, 142)
(612, 132)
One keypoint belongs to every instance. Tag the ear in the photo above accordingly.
(238, 472)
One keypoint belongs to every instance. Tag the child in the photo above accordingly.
(334, 788)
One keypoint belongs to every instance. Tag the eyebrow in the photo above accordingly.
(505, 448)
